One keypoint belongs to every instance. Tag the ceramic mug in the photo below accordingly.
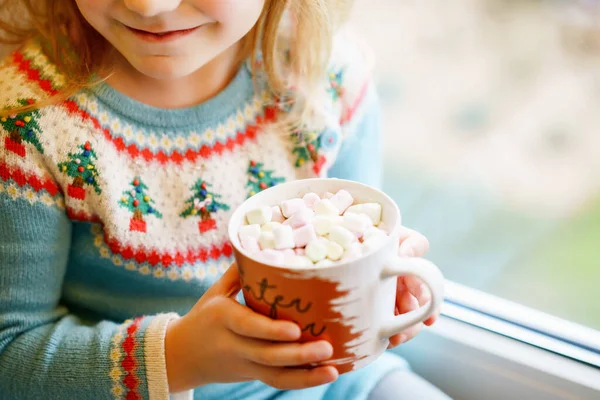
(350, 304)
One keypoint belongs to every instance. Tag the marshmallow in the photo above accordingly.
(383, 227)
(301, 261)
(299, 251)
(372, 210)
(300, 218)
(357, 223)
(292, 206)
(310, 199)
(324, 223)
(288, 255)
(324, 263)
(259, 216)
(328, 195)
(304, 235)
(373, 232)
(342, 200)
(316, 250)
(352, 252)
(342, 236)
(250, 244)
(326, 207)
(276, 215)
(269, 226)
(284, 237)
(334, 251)
(266, 240)
(272, 257)
(249, 231)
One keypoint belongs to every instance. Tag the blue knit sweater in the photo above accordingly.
(113, 221)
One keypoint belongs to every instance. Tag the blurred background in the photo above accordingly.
(492, 120)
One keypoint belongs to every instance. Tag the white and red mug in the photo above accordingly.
(350, 304)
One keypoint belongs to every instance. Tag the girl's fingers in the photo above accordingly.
(293, 379)
(247, 323)
(284, 354)
(412, 243)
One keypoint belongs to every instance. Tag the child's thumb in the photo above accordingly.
(228, 285)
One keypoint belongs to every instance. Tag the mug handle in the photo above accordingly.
(430, 275)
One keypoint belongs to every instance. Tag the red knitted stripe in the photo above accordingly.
(21, 178)
(166, 259)
(129, 363)
(349, 112)
(81, 216)
(24, 66)
(175, 157)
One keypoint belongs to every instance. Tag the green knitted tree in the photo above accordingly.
(22, 128)
(335, 84)
(307, 145)
(260, 178)
(203, 203)
(140, 204)
(81, 168)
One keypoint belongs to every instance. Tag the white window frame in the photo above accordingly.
(484, 347)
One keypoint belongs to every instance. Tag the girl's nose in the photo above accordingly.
(150, 8)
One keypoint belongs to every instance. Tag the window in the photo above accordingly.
(494, 107)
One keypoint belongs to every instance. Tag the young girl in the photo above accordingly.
(130, 131)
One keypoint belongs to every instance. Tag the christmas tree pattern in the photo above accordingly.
(140, 204)
(83, 171)
(22, 128)
(306, 148)
(203, 203)
(260, 179)
(335, 84)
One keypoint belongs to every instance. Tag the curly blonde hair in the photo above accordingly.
(313, 25)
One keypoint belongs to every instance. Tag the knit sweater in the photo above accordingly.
(113, 215)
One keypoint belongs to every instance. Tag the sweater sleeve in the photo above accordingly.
(46, 351)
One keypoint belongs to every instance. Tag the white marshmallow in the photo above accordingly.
(273, 257)
(259, 216)
(324, 263)
(249, 231)
(289, 256)
(342, 236)
(301, 261)
(357, 223)
(342, 200)
(266, 240)
(353, 252)
(250, 244)
(276, 215)
(269, 226)
(328, 195)
(304, 235)
(299, 251)
(326, 207)
(383, 227)
(334, 251)
(284, 237)
(324, 223)
(292, 206)
(300, 218)
(372, 210)
(373, 232)
(316, 250)
(310, 199)
(374, 242)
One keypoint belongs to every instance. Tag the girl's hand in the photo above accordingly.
(411, 292)
(221, 341)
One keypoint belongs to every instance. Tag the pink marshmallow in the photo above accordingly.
(304, 234)
(250, 244)
(310, 199)
(292, 206)
(299, 251)
(300, 218)
(274, 257)
(276, 215)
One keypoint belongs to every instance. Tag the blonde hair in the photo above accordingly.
(313, 23)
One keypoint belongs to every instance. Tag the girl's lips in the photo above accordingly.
(161, 37)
